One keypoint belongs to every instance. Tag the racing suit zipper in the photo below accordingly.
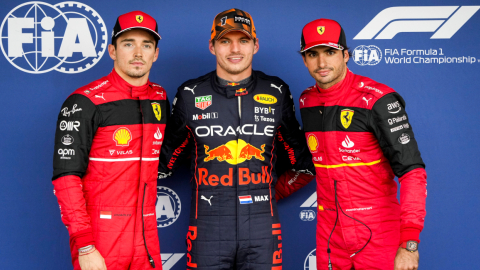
(150, 259)
(236, 189)
(240, 107)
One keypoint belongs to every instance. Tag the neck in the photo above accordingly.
(234, 77)
(132, 80)
(326, 86)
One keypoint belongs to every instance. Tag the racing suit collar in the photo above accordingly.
(336, 90)
(120, 83)
(233, 91)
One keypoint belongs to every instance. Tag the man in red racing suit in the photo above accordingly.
(360, 138)
(107, 145)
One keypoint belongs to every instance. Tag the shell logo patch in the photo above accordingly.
(321, 30)
(122, 136)
(312, 143)
(320, 208)
(139, 18)
(157, 110)
(265, 99)
(346, 116)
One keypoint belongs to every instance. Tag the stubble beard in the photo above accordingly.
(136, 73)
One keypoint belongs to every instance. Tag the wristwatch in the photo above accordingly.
(86, 249)
(411, 246)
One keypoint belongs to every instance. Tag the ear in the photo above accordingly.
(155, 57)
(112, 52)
(211, 47)
(256, 46)
(304, 62)
(346, 56)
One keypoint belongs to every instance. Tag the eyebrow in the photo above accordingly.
(132, 40)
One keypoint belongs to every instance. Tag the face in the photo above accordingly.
(234, 52)
(327, 65)
(135, 53)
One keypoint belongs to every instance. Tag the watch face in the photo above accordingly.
(412, 246)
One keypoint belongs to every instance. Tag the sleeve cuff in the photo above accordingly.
(410, 234)
(82, 238)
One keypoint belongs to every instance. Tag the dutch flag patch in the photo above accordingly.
(245, 199)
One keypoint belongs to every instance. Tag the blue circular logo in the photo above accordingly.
(168, 207)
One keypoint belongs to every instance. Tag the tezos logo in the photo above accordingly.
(38, 37)
(168, 207)
(307, 215)
(311, 261)
(367, 55)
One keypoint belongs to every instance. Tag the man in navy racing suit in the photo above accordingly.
(232, 121)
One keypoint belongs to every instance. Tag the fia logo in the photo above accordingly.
(367, 55)
(37, 37)
(168, 207)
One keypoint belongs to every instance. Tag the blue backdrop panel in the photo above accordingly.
(426, 50)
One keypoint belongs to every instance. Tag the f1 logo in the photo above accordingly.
(396, 20)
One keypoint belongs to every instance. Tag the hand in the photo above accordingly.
(92, 261)
(406, 260)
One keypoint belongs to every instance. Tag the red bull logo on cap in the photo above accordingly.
(234, 152)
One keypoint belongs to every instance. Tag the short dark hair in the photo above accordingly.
(345, 48)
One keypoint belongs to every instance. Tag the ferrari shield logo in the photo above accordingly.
(346, 116)
(157, 110)
(321, 29)
(139, 18)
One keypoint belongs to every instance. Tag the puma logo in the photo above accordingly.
(97, 96)
(302, 100)
(273, 85)
(208, 200)
(190, 89)
(367, 100)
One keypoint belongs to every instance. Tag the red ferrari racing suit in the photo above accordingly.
(360, 138)
(107, 145)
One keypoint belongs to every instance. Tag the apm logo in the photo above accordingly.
(37, 37)
(168, 207)
(445, 21)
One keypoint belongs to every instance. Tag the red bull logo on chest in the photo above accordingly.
(234, 152)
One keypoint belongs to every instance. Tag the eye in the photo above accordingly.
(148, 46)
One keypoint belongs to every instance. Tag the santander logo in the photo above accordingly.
(347, 143)
(158, 134)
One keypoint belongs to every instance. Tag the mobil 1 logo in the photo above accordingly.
(37, 37)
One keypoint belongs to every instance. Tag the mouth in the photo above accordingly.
(323, 72)
(137, 62)
(235, 59)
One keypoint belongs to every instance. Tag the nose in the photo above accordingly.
(321, 61)
(138, 52)
(235, 47)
